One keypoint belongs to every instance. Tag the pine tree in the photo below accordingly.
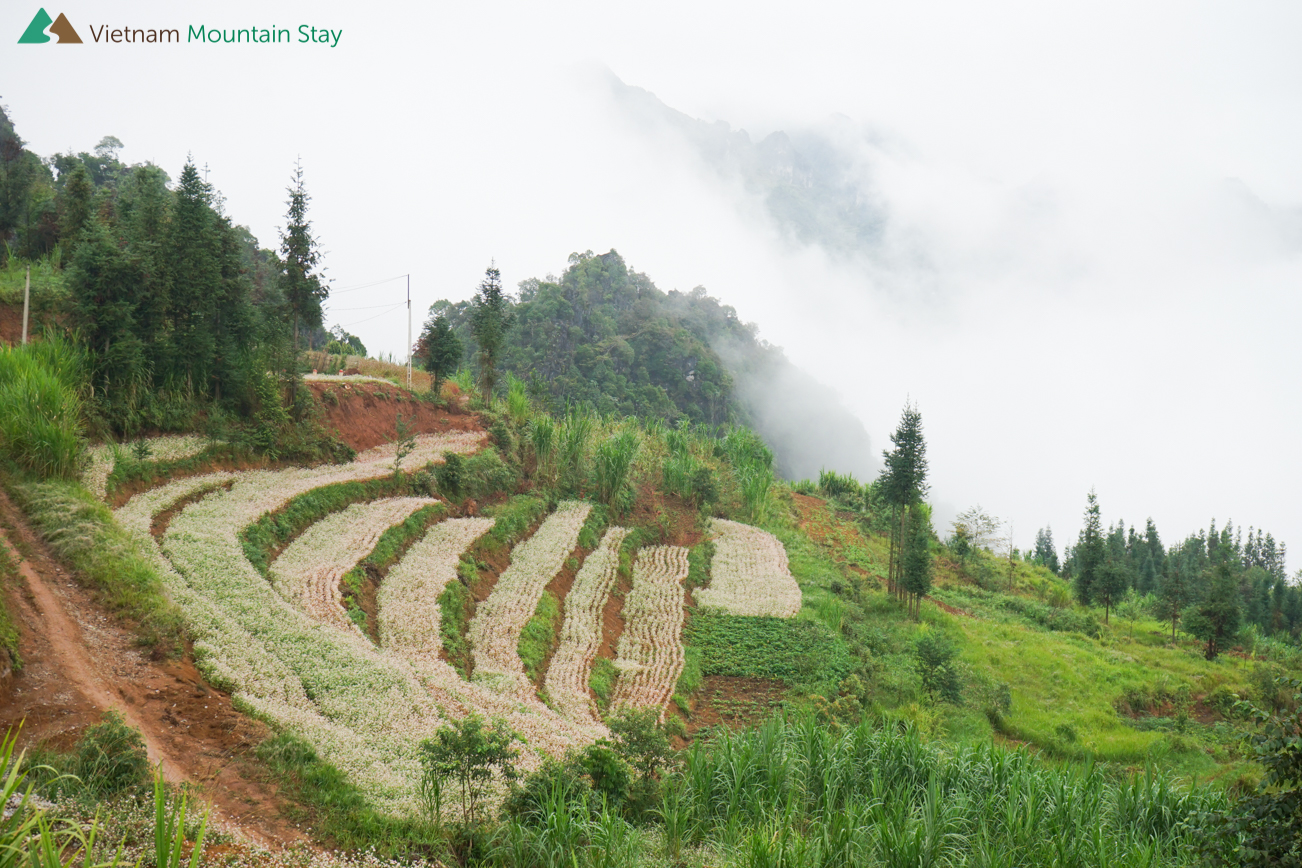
(903, 483)
(1089, 552)
(440, 350)
(915, 566)
(303, 288)
(76, 209)
(1046, 553)
(1217, 617)
(193, 259)
(490, 317)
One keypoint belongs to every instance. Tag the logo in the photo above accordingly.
(60, 27)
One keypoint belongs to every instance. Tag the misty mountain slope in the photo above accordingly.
(814, 183)
(606, 337)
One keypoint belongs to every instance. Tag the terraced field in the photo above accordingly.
(284, 646)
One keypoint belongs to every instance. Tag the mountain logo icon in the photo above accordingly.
(60, 27)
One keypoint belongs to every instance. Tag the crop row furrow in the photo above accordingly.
(651, 646)
(495, 630)
(567, 677)
(309, 570)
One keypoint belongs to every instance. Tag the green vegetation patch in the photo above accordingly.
(513, 519)
(8, 630)
(83, 532)
(538, 638)
(129, 469)
(276, 529)
(794, 650)
(602, 680)
(1033, 613)
(390, 548)
(454, 610)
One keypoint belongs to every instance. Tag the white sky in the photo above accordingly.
(1102, 305)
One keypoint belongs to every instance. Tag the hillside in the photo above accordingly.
(560, 595)
(606, 338)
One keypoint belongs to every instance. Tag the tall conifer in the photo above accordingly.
(300, 252)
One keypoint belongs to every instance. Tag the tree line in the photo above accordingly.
(178, 307)
(1212, 583)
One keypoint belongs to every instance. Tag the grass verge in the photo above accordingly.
(82, 531)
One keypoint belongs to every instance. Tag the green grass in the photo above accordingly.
(8, 629)
(82, 531)
(602, 680)
(49, 286)
(389, 549)
(41, 428)
(152, 473)
(454, 609)
(513, 519)
(1065, 688)
(795, 650)
(539, 636)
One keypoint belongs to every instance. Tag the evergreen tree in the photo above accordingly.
(1179, 588)
(1089, 552)
(490, 318)
(76, 209)
(440, 350)
(903, 483)
(915, 572)
(303, 288)
(193, 256)
(1217, 617)
(1046, 554)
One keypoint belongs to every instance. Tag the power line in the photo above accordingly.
(377, 316)
(366, 285)
(367, 307)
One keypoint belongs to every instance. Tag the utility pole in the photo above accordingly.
(408, 331)
(27, 301)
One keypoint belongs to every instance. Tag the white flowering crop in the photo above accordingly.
(309, 570)
(365, 709)
(495, 630)
(345, 378)
(749, 574)
(651, 646)
(102, 458)
(408, 598)
(571, 665)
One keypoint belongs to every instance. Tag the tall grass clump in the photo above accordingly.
(542, 436)
(752, 467)
(793, 792)
(517, 402)
(41, 427)
(612, 461)
(572, 439)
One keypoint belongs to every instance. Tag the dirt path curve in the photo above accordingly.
(79, 662)
(72, 660)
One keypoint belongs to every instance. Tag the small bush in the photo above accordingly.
(602, 680)
(110, 758)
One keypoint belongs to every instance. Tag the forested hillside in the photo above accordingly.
(605, 337)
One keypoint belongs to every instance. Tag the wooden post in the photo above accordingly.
(27, 301)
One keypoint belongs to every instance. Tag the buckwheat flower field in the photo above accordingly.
(495, 630)
(308, 571)
(166, 448)
(571, 665)
(749, 574)
(651, 646)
